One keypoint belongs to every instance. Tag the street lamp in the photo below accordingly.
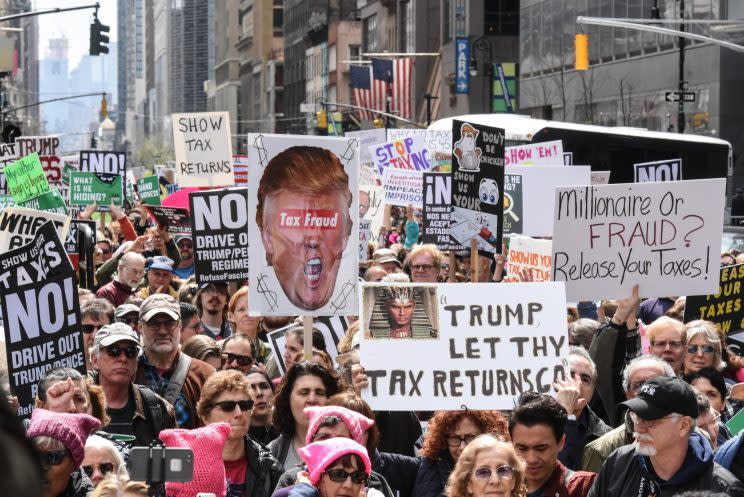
(483, 44)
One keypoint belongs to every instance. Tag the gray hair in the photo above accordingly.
(581, 352)
(96, 442)
(668, 371)
(710, 333)
(582, 331)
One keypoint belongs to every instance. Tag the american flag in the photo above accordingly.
(361, 78)
(397, 74)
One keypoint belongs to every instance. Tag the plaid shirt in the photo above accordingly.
(158, 383)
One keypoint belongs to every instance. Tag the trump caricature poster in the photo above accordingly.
(303, 225)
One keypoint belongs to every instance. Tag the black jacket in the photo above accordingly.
(263, 469)
(399, 471)
(432, 475)
(289, 479)
(627, 473)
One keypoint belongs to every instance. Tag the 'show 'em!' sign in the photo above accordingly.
(203, 149)
(453, 344)
(663, 236)
(219, 230)
(41, 314)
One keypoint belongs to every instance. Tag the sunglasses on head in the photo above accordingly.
(115, 351)
(484, 473)
(53, 457)
(104, 468)
(229, 405)
(339, 475)
(707, 349)
(242, 360)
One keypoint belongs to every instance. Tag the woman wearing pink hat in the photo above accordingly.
(337, 467)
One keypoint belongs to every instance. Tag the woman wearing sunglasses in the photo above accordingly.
(702, 348)
(101, 459)
(60, 440)
(448, 434)
(336, 467)
(251, 469)
(488, 467)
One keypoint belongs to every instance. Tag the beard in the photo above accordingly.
(644, 450)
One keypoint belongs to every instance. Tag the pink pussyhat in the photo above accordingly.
(70, 429)
(321, 455)
(357, 423)
(209, 470)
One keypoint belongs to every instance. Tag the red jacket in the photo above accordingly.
(115, 292)
(578, 484)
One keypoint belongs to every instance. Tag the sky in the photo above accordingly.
(75, 26)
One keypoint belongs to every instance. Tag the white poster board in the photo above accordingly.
(303, 231)
(332, 327)
(19, 225)
(408, 153)
(535, 154)
(403, 187)
(662, 170)
(538, 185)
(531, 254)
(663, 236)
(467, 346)
(203, 147)
(600, 177)
(367, 137)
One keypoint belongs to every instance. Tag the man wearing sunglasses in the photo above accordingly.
(162, 366)
(93, 315)
(668, 457)
(134, 409)
(129, 315)
(537, 430)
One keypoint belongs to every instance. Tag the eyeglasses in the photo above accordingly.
(653, 423)
(105, 251)
(339, 476)
(104, 468)
(53, 457)
(456, 440)
(663, 344)
(503, 472)
(421, 268)
(129, 352)
(154, 326)
(707, 349)
(445, 266)
(135, 271)
(242, 360)
(91, 328)
(229, 405)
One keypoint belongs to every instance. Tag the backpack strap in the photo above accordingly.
(177, 379)
(153, 408)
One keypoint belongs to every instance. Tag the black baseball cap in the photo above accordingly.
(661, 396)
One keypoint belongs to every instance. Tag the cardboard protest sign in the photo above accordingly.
(176, 220)
(148, 189)
(50, 201)
(404, 153)
(371, 216)
(477, 185)
(436, 140)
(25, 178)
(535, 154)
(47, 147)
(403, 187)
(71, 241)
(88, 188)
(303, 206)
(240, 169)
(41, 314)
(19, 225)
(203, 148)
(568, 158)
(452, 344)
(662, 170)
(367, 174)
(6, 201)
(367, 138)
(436, 215)
(101, 161)
(600, 177)
(724, 307)
(663, 236)
(332, 327)
(530, 254)
(538, 183)
(219, 230)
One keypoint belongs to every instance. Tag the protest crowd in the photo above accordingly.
(165, 332)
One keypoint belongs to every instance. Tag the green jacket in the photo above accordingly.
(596, 452)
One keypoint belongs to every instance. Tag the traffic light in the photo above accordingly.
(322, 119)
(98, 39)
(93, 142)
(378, 123)
(104, 108)
(582, 52)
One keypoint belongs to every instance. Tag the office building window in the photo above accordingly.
(502, 17)
(369, 33)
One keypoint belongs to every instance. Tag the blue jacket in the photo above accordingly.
(727, 452)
